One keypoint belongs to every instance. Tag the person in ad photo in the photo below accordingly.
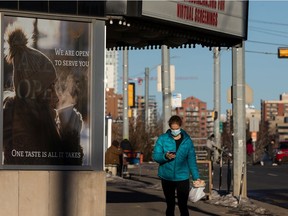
(36, 130)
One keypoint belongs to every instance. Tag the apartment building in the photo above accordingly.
(275, 112)
(194, 115)
(210, 122)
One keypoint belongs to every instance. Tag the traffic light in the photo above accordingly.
(131, 95)
(283, 52)
(214, 115)
(221, 127)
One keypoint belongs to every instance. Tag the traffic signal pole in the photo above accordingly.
(216, 57)
(147, 72)
(125, 95)
(238, 107)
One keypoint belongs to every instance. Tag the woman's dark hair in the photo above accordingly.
(175, 120)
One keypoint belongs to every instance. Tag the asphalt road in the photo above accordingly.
(267, 183)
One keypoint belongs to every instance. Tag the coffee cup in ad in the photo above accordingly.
(64, 114)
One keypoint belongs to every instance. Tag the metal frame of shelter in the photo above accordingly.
(150, 24)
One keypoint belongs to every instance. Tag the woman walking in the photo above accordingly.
(175, 154)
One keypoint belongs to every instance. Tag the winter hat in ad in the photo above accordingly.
(33, 71)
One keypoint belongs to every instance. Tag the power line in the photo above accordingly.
(266, 43)
(270, 33)
(259, 52)
(269, 23)
(267, 30)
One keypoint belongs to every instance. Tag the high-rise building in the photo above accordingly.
(139, 110)
(152, 111)
(114, 104)
(111, 70)
(114, 107)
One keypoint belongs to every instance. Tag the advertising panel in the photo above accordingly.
(222, 16)
(46, 106)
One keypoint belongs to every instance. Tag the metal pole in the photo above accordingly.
(220, 171)
(109, 132)
(253, 154)
(217, 85)
(239, 138)
(166, 88)
(228, 174)
(125, 95)
(147, 71)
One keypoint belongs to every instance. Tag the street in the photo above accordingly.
(264, 183)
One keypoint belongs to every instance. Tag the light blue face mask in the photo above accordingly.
(175, 132)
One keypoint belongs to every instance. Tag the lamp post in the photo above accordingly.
(125, 94)
(217, 102)
(166, 88)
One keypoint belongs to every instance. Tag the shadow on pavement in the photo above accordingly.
(131, 196)
(142, 177)
(195, 209)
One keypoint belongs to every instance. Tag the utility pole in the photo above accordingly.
(147, 71)
(125, 95)
(217, 100)
(166, 88)
(238, 107)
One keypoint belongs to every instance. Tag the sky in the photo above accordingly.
(265, 73)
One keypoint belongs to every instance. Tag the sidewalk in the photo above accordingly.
(142, 196)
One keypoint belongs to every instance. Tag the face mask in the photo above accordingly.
(175, 132)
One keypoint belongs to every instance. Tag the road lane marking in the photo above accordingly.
(271, 174)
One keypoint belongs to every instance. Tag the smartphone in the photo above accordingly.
(172, 152)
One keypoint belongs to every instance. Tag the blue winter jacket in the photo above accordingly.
(182, 165)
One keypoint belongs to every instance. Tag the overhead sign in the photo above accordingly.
(229, 17)
(176, 100)
(172, 78)
(254, 124)
(254, 136)
(248, 95)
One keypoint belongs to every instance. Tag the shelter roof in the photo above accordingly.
(143, 31)
(147, 33)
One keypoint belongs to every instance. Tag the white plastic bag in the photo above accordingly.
(196, 193)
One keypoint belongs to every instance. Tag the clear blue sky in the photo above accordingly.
(265, 73)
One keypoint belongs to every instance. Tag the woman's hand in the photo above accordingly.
(199, 183)
(170, 155)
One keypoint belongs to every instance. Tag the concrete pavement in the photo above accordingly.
(142, 196)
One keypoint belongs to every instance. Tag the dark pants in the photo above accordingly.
(119, 170)
(182, 188)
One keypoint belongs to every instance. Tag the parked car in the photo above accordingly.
(282, 152)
